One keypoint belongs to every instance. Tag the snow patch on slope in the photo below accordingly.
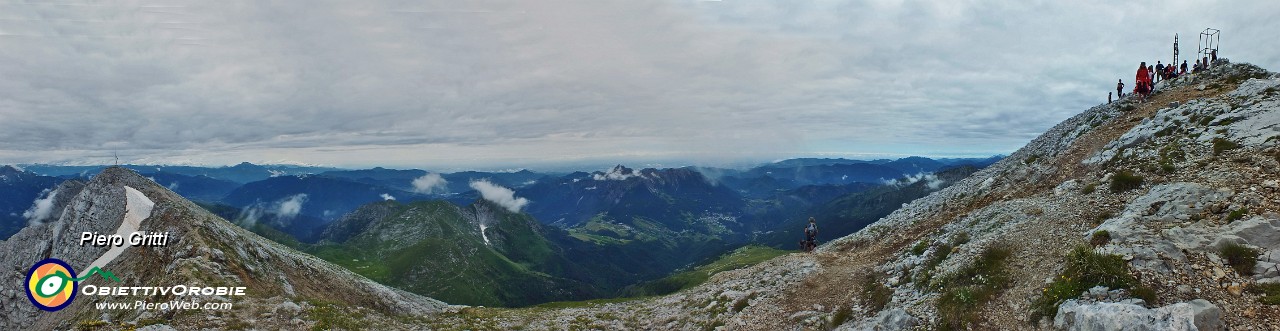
(137, 208)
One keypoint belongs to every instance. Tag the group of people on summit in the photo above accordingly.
(1147, 76)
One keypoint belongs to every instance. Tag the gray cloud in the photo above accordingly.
(484, 82)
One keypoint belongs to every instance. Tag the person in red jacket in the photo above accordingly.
(1142, 79)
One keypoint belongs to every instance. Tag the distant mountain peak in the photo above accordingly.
(10, 170)
(246, 165)
(618, 172)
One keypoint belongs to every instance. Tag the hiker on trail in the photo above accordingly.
(1119, 88)
(1159, 71)
(1151, 76)
(1184, 67)
(1214, 55)
(1206, 63)
(811, 235)
(1108, 97)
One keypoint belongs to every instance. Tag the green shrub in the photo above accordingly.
(1145, 293)
(1221, 145)
(238, 325)
(1237, 214)
(1124, 180)
(1241, 258)
(1100, 237)
(969, 289)
(875, 295)
(1102, 217)
(960, 239)
(1270, 292)
(1088, 189)
(744, 302)
(919, 248)
(1052, 296)
(1172, 153)
(1032, 159)
(844, 314)
(1099, 269)
(92, 325)
(926, 273)
(329, 316)
(1227, 121)
(1083, 270)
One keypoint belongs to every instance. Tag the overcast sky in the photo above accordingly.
(438, 84)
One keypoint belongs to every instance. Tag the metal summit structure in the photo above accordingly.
(1208, 43)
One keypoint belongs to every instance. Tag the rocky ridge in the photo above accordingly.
(285, 288)
(1172, 180)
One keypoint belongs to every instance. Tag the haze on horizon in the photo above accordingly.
(443, 84)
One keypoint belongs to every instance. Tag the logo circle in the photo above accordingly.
(51, 284)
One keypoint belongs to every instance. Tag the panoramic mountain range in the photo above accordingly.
(323, 195)
(551, 237)
(1139, 214)
(1155, 214)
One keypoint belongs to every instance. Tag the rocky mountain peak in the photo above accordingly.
(8, 169)
(618, 172)
(201, 250)
(11, 173)
(1164, 185)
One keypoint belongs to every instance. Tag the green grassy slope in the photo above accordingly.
(740, 258)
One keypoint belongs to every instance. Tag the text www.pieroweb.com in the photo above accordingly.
(164, 305)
